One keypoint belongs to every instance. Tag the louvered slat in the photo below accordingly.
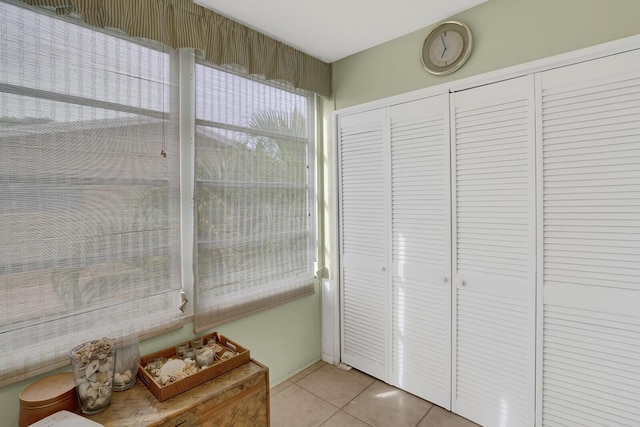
(591, 243)
(490, 172)
(362, 324)
(494, 253)
(421, 330)
(364, 247)
(592, 358)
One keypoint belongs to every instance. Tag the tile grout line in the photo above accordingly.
(356, 396)
(307, 374)
(427, 413)
(373, 382)
(343, 406)
(341, 409)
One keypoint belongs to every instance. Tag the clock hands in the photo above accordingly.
(443, 45)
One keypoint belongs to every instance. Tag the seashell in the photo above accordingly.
(104, 391)
(105, 366)
(91, 368)
(173, 367)
(92, 393)
(101, 377)
(118, 379)
(100, 401)
(128, 373)
(217, 348)
(83, 389)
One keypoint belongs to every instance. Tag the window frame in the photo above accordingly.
(167, 114)
(189, 59)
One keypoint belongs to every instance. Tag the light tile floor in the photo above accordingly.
(328, 396)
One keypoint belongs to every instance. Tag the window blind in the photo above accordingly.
(253, 193)
(89, 207)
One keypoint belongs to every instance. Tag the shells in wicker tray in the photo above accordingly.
(171, 370)
(167, 371)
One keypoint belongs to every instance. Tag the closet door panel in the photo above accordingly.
(493, 166)
(420, 200)
(363, 150)
(590, 201)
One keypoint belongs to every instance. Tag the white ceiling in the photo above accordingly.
(333, 29)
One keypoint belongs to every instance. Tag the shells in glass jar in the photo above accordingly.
(127, 360)
(93, 367)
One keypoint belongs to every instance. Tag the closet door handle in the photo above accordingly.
(461, 282)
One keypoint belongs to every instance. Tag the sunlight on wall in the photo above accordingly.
(327, 182)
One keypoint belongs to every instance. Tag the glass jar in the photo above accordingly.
(180, 348)
(196, 343)
(205, 357)
(127, 361)
(93, 365)
(189, 355)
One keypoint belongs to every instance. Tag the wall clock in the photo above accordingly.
(446, 48)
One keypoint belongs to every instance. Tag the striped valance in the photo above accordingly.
(181, 23)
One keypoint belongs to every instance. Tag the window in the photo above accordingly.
(253, 190)
(90, 190)
(89, 207)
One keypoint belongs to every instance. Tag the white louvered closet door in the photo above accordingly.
(590, 178)
(364, 258)
(493, 182)
(421, 248)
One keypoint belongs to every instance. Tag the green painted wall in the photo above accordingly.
(286, 339)
(506, 33)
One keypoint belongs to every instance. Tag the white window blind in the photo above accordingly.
(254, 159)
(89, 208)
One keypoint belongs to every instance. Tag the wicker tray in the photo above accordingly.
(167, 391)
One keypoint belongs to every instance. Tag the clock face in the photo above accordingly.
(446, 48)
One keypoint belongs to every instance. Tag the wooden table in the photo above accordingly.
(237, 398)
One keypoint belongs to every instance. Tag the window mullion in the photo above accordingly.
(186, 59)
